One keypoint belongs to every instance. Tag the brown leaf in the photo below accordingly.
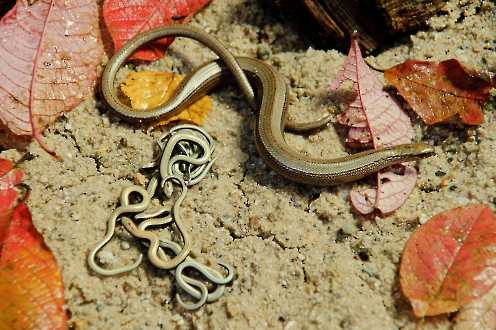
(49, 52)
(375, 118)
(437, 91)
(147, 90)
(450, 260)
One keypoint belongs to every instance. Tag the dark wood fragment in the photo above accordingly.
(377, 21)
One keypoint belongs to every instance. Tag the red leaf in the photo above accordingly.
(438, 91)
(48, 54)
(31, 290)
(9, 178)
(375, 118)
(126, 18)
(450, 260)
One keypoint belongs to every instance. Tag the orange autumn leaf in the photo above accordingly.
(450, 261)
(437, 91)
(147, 90)
(31, 289)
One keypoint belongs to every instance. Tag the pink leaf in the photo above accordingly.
(374, 117)
(359, 135)
(394, 188)
(48, 54)
(363, 200)
(126, 18)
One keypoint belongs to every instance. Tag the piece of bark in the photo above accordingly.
(377, 21)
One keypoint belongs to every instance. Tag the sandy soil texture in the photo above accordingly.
(303, 259)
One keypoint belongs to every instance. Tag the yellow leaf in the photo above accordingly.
(148, 90)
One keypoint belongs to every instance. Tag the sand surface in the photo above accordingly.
(303, 260)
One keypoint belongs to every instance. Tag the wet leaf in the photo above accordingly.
(31, 289)
(375, 119)
(49, 53)
(450, 260)
(147, 90)
(437, 91)
(126, 18)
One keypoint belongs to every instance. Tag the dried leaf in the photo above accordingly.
(31, 289)
(374, 118)
(450, 261)
(126, 18)
(480, 314)
(49, 52)
(437, 91)
(147, 90)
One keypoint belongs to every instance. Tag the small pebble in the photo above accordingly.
(314, 138)
(231, 310)
(349, 228)
(106, 257)
(177, 319)
(263, 51)
(139, 179)
(290, 325)
(105, 121)
(125, 245)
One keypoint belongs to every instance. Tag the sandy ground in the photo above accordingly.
(303, 259)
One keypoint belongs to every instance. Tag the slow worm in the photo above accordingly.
(272, 114)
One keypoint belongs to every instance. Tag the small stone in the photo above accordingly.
(106, 257)
(231, 310)
(177, 319)
(369, 271)
(314, 138)
(105, 121)
(263, 51)
(440, 173)
(349, 228)
(139, 179)
(290, 325)
(125, 245)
